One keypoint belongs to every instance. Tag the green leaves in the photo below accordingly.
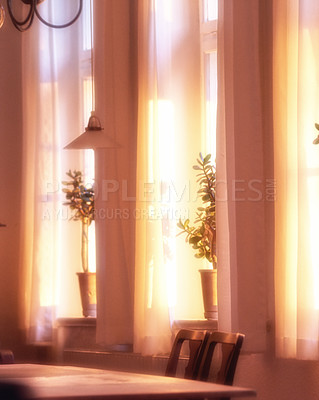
(202, 236)
(80, 198)
(316, 141)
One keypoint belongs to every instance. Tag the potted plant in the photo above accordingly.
(202, 234)
(316, 141)
(80, 199)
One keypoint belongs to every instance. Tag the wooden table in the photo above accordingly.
(66, 382)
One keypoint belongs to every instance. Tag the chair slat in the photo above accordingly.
(196, 340)
(231, 344)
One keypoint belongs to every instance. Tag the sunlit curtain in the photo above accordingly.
(244, 168)
(296, 109)
(169, 140)
(52, 117)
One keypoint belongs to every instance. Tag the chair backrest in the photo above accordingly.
(196, 340)
(230, 345)
(6, 357)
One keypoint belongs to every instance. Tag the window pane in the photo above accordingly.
(210, 8)
(87, 24)
(211, 100)
(88, 105)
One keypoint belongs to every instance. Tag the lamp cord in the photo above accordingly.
(92, 56)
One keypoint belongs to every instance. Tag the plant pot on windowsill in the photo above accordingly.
(209, 292)
(202, 235)
(87, 284)
(87, 280)
(81, 200)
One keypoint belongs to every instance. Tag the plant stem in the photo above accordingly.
(85, 240)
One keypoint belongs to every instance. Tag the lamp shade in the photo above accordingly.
(93, 137)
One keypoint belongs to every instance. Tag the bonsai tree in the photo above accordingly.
(202, 234)
(81, 201)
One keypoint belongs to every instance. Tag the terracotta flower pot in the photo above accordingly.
(209, 290)
(87, 282)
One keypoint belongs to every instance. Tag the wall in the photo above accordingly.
(10, 181)
(276, 379)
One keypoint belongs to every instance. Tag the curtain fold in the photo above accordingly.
(169, 140)
(243, 165)
(296, 95)
(51, 116)
(151, 323)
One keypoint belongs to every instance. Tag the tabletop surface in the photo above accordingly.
(67, 382)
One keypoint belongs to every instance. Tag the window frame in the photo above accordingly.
(208, 45)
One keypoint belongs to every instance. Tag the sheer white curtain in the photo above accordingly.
(296, 109)
(244, 169)
(52, 117)
(169, 140)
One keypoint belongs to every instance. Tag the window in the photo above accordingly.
(171, 135)
(87, 102)
(183, 186)
(208, 32)
(56, 77)
(208, 72)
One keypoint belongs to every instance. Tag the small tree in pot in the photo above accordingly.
(202, 234)
(80, 199)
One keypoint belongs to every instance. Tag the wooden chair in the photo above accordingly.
(6, 356)
(224, 369)
(196, 340)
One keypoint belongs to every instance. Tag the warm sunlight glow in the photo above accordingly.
(89, 166)
(87, 99)
(312, 157)
(210, 9)
(166, 7)
(161, 123)
(313, 190)
(166, 139)
(87, 25)
(150, 283)
(210, 61)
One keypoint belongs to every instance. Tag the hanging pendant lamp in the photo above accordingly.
(93, 137)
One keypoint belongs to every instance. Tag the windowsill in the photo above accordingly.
(75, 345)
(79, 334)
(76, 321)
(208, 324)
(88, 325)
(177, 324)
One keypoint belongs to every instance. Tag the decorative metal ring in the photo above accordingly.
(27, 22)
(63, 25)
